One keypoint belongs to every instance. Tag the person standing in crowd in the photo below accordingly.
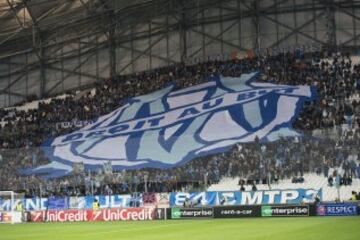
(96, 205)
(19, 208)
(243, 160)
(354, 196)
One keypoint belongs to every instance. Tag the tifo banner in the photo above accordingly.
(196, 199)
(191, 213)
(337, 209)
(237, 211)
(102, 215)
(285, 211)
(167, 128)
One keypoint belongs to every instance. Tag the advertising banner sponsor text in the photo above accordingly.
(337, 209)
(285, 211)
(102, 215)
(191, 213)
(289, 196)
(237, 211)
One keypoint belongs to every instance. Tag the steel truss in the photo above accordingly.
(46, 43)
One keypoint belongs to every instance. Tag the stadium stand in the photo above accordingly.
(308, 160)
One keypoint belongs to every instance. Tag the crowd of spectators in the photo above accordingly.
(337, 109)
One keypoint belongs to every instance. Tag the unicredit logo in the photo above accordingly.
(136, 214)
(130, 214)
(66, 216)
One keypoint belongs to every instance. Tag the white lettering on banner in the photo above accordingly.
(37, 216)
(71, 217)
(289, 195)
(293, 196)
(125, 214)
(342, 209)
(97, 215)
(37, 204)
(65, 216)
(32, 204)
(43, 203)
(77, 123)
(6, 204)
(116, 204)
(201, 197)
(115, 201)
(180, 198)
(272, 195)
(251, 198)
(111, 214)
(227, 196)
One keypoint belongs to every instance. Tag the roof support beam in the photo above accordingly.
(112, 43)
(74, 71)
(141, 54)
(314, 18)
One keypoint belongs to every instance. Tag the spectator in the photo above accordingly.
(22, 132)
(353, 196)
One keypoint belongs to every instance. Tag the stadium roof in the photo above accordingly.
(20, 19)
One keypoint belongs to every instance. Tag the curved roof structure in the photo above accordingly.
(50, 46)
(20, 19)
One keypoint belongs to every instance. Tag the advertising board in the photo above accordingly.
(337, 209)
(10, 217)
(237, 211)
(235, 198)
(102, 215)
(191, 213)
(285, 211)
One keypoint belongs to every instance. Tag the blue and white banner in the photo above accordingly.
(54, 203)
(168, 128)
(37, 204)
(197, 199)
(337, 209)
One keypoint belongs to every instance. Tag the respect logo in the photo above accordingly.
(321, 210)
